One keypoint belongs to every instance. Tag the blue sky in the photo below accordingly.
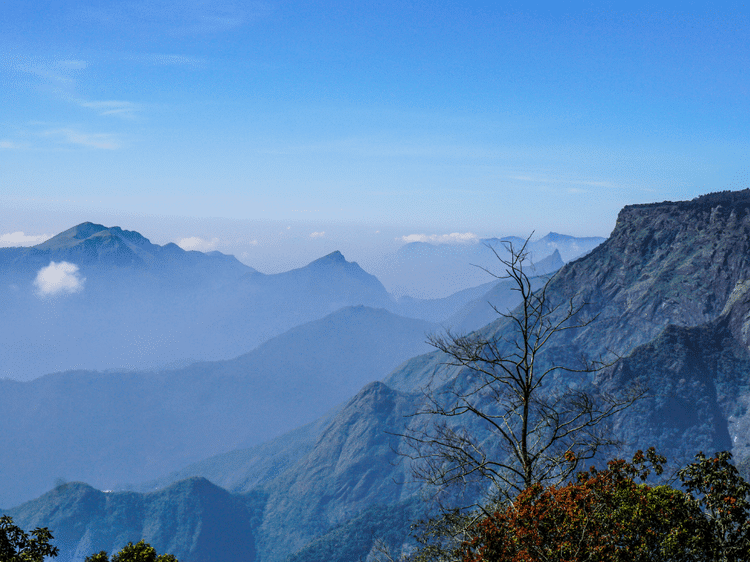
(363, 118)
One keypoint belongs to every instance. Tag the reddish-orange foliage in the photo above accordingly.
(603, 516)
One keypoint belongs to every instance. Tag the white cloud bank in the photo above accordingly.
(58, 278)
(453, 238)
(14, 239)
(317, 234)
(199, 244)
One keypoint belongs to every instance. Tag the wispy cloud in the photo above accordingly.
(177, 60)
(58, 74)
(58, 278)
(72, 64)
(453, 238)
(111, 107)
(10, 145)
(186, 17)
(199, 244)
(13, 239)
(317, 234)
(101, 141)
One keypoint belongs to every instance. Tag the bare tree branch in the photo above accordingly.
(530, 419)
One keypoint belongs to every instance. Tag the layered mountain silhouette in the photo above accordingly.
(670, 289)
(141, 305)
(426, 270)
(96, 297)
(670, 307)
(116, 427)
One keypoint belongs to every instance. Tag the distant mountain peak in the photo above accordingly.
(94, 245)
(334, 258)
(88, 231)
(84, 230)
(556, 237)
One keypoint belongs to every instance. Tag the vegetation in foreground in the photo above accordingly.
(139, 552)
(16, 545)
(613, 515)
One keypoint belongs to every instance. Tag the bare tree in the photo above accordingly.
(511, 414)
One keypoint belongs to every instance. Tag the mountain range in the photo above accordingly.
(668, 295)
(668, 292)
(96, 297)
(117, 427)
(426, 268)
(136, 305)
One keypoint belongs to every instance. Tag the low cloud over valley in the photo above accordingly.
(58, 278)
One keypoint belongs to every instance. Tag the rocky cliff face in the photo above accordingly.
(699, 386)
(665, 263)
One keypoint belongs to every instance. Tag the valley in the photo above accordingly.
(295, 448)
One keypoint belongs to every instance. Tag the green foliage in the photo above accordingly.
(18, 546)
(723, 494)
(140, 552)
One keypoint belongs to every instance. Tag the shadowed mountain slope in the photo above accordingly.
(659, 285)
(115, 427)
(193, 519)
(351, 467)
(699, 386)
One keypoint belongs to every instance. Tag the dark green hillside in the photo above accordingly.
(193, 519)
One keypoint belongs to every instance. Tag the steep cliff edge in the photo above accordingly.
(665, 263)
